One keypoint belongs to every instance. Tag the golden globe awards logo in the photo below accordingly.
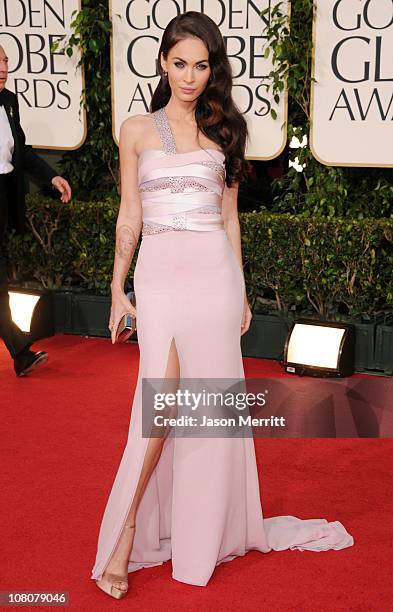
(137, 32)
(352, 95)
(245, 52)
(363, 55)
(28, 31)
(47, 82)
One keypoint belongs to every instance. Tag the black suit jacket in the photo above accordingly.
(24, 160)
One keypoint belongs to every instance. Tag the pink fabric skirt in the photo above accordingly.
(202, 503)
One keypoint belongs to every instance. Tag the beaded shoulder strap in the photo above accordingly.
(165, 132)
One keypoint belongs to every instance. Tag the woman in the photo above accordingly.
(193, 500)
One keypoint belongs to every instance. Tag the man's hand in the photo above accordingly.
(62, 185)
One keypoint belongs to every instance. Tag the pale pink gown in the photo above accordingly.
(202, 503)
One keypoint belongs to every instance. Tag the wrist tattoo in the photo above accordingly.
(125, 241)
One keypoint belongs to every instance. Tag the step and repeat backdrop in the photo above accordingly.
(48, 84)
(352, 68)
(352, 98)
(137, 31)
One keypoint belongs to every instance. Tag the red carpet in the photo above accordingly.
(63, 432)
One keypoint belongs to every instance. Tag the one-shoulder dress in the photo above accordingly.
(202, 503)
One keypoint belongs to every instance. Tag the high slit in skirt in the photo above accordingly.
(202, 502)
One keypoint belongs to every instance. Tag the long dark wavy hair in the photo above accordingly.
(216, 113)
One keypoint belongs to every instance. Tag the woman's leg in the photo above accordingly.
(118, 563)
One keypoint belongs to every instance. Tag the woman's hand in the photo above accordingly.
(120, 306)
(247, 316)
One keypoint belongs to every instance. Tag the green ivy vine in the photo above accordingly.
(93, 169)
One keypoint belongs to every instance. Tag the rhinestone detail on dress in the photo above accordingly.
(179, 221)
(165, 132)
(169, 145)
(156, 228)
(209, 209)
(177, 184)
(216, 166)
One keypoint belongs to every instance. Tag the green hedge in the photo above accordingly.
(321, 265)
(67, 245)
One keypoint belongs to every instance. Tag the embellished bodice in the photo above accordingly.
(180, 191)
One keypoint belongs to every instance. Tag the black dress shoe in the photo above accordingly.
(26, 361)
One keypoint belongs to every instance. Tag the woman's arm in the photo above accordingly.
(230, 218)
(129, 220)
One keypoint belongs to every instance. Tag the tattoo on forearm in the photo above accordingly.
(125, 241)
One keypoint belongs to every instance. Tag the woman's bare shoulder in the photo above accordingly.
(134, 129)
(136, 123)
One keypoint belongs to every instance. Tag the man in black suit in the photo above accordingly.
(16, 158)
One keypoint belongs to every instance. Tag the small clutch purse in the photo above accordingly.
(126, 327)
(127, 324)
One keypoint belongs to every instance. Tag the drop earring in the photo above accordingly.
(165, 75)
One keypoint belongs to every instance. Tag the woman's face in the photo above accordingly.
(188, 68)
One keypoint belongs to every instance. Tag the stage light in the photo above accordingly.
(33, 311)
(316, 348)
(22, 307)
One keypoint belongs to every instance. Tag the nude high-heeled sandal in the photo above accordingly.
(107, 584)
